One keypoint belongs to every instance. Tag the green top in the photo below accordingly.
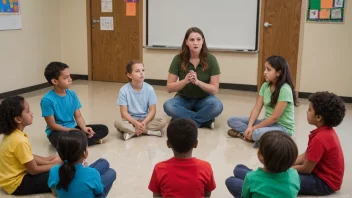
(287, 118)
(259, 183)
(191, 90)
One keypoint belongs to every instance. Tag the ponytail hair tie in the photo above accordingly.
(65, 161)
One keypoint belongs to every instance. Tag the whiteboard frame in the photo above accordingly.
(210, 49)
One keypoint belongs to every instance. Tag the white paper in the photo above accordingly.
(106, 23)
(313, 14)
(338, 3)
(336, 14)
(106, 5)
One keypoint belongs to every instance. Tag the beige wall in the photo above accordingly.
(327, 56)
(74, 35)
(323, 64)
(26, 52)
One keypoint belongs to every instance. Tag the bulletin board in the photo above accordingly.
(326, 10)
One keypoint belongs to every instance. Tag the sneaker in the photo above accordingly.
(209, 124)
(234, 134)
(155, 133)
(127, 136)
(212, 125)
(100, 141)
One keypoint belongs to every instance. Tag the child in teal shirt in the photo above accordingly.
(277, 152)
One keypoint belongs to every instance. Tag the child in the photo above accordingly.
(182, 175)
(72, 179)
(137, 102)
(60, 107)
(321, 167)
(277, 152)
(278, 97)
(21, 172)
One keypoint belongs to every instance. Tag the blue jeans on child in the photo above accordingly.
(107, 174)
(240, 124)
(234, 184)
(200, 110)
(311, 184)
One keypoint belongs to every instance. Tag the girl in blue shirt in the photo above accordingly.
(72, 179)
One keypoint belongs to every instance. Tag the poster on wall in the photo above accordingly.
(10, 15)
(326, 10)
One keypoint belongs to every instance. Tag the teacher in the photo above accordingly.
(198, 73)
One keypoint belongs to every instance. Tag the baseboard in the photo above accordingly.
(241, 87)
(307, 94)
(37, 87)
(79, 77)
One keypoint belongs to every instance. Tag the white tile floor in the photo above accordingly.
(134, 159)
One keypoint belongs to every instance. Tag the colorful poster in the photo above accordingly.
(325, 10)
(106, 23)
(10, 15)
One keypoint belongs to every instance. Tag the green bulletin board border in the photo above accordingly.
(328, 20)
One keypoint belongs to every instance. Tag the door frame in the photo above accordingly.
(260, 77)
(89, 34)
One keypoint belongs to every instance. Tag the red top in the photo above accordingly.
(324, 148)
(178, 177)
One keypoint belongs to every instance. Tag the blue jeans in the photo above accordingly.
(107, 174)
(200, 110)
(234, 183)
(240, 124)
(313, 185)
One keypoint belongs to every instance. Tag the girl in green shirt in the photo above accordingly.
(277, 96)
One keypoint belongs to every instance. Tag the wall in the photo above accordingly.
(323, 64)
(327, 56)
(74, 48)
(26, 52)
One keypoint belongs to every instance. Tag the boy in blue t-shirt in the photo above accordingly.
(60, 107)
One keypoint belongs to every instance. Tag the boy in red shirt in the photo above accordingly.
(321, 167)
(182, 175)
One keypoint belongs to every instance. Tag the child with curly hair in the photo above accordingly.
(321, 167)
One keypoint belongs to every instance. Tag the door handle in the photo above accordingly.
(94, 22)
(267, 24)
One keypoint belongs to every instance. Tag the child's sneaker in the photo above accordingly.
(127, 136)
(155, 133)
(210, 124)
(100, 141)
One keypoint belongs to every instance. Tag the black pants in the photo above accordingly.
(33, 184)
(100, 132)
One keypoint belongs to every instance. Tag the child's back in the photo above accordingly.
(265, 184)
(72, 179)
(86, 182)
(277, 152)
(178, 177)
(182, 175)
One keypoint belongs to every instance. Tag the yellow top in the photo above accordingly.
(15, 151)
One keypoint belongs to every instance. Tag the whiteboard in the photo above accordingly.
(226, 24)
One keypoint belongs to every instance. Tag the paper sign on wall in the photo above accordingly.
(106, 5)
(106, 23)
(130, 9)
(10, 15)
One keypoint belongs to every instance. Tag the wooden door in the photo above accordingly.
(279, 33)
(110, 50)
